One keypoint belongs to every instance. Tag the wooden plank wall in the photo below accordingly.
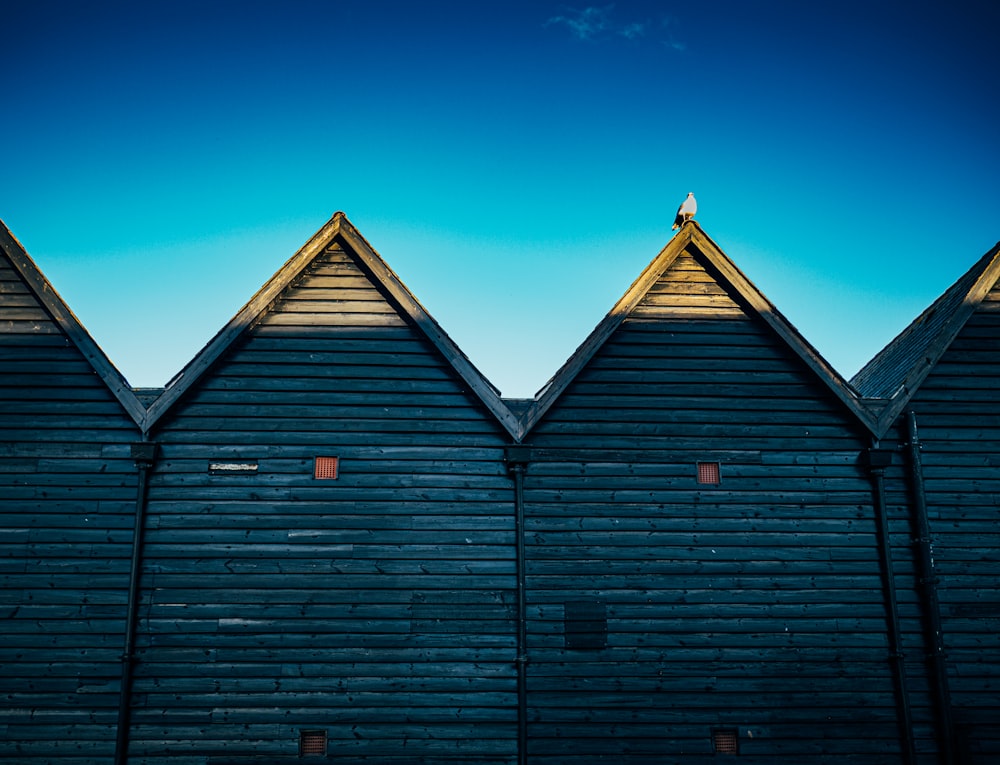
(959, 429)
(378, 607)
(754, 605)
(67, 494)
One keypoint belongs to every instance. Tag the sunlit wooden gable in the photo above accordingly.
(692, 279)
(282, 294)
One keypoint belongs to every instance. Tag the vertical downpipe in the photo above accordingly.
(517, 457)
(878, 461)
(929, 598)
(144, 455)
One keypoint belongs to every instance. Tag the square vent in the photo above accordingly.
(312, 743)
(725, 741)
(708, 472)
(326, 468)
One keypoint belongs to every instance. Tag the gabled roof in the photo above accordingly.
(69, 324)
(338, 229)
(692, 237)
(899, 369)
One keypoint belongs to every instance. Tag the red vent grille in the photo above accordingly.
(327, 468)
(312, 742)
(708, 472)
(725, 742)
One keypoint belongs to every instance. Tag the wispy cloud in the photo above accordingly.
(633, 30)
(584, 23)
(666, 34)
(596, 21)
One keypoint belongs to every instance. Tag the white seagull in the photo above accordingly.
(686, 211)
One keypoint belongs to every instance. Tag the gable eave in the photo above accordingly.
(70, 325)
(337, 228)
(691, 233)
(477, 382)
(569, 371)
(812, 358)
(246, 317)
(936, 345)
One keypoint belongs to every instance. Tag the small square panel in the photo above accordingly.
(708, 472)
(725, 742)
(312, 743)
(327, 468)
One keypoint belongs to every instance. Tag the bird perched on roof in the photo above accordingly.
(686, 211)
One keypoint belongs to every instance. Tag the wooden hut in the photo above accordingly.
(329, 539)
(701, 551)
(68, 490)
(936, 390)
(329, 558)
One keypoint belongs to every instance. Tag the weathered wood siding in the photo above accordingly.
(67, 493)
(378, 607)
(753, 605)
(959, 430)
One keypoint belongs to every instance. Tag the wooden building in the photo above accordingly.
(936, 390)
(702, 566)
(329, 538)
(68, 488)
(329, 560)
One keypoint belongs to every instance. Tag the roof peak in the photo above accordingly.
(691, 235)
(339, 229)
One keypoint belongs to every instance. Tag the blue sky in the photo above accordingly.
(517, 164)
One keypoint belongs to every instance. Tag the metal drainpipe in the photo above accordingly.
(144, 455)
(928, 591)
(878, 461)
(517, 457)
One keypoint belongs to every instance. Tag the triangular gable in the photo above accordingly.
(68, 324)
(899, 369)
(337, 229)
(691, 237)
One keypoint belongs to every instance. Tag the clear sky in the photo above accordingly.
(516, 163)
